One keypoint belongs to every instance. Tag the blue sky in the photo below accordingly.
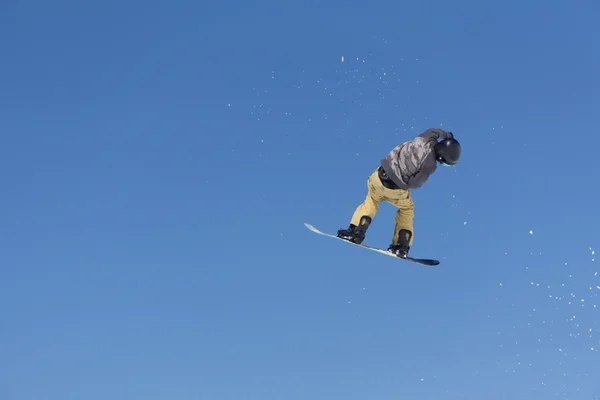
(159, 161)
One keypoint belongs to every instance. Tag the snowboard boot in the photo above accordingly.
(402, 248)
(355, 234)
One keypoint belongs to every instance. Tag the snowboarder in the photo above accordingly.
(406, 167)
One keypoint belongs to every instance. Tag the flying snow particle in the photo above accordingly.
(465, 223)
(531, 232)
(342, 58)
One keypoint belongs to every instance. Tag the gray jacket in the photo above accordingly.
(410, 164)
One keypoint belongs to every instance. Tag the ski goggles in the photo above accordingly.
(443, 162)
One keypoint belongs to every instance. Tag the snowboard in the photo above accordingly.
(422, 261)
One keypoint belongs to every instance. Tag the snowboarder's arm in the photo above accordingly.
(437, 134)
(417, 180)
(427, 168)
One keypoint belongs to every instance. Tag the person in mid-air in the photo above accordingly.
(406, 167)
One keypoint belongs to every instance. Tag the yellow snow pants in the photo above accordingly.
(401, 199)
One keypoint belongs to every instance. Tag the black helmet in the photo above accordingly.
(447, 151)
